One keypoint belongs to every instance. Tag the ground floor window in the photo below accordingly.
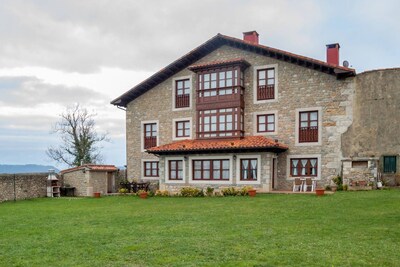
(304, 167)
(389, 164)
(216, 169)
(248, 169)
(150, 168)
(175, 170)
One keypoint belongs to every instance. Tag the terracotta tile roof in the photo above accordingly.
(92, 167)
(213, 44)
(234, 144)
(220, 63)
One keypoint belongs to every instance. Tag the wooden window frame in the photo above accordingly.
(210, 170)
(266, 92)
(389, 169)
(150, 168)
(266, 123)
(185, 130)
(150, 140)
(221, 123)
(221, 83)
(308, 134)
(308, 167)
(249, 169)
(182, 100)
(176, 170)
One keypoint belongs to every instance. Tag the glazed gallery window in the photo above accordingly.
(308, 126)
(182, 93)
(304, 167)
(248, 169)
(175, 170)
(389, 164)
(265, 123)
(182, 129)
(217, 169)
(150, 135)
(223, 79)
(150, 168)
(220, 122)
(266, 84)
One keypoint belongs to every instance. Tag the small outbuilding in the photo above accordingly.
(90, 178)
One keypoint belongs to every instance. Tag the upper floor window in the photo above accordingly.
(389, 164)
(304, 167)
(150, 135)
(266, 123)
(308, 126)
(266, 84)
(220, 122)
(182, 93)
(220, 82)
(182, 128)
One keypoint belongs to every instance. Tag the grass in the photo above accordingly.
(344, 229)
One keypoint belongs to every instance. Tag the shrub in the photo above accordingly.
(210, 191)
(344, 187)
(244, 191)
(338, 180)
(123, 190)
(191, 192)
(230, 191)
(162, 193)
(328, 188)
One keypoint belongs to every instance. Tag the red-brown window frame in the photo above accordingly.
(308, 134)
(249, 169)
(308, 167)
(266, 123)
(237, 80)
(211, 170)
(267, 91)
(182, 100)
(176, 170)
(150, 168)
(237, 122)
(150, 137)
(185, 130)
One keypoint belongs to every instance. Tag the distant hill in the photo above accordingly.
(28, 168)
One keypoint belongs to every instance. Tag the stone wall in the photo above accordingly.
(376, 127)
(98, 181)
(298, 87)
(29, 185)
(79, 180)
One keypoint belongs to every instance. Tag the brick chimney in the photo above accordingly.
(251, 37)
(332, 54)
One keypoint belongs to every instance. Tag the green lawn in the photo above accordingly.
(344, 229)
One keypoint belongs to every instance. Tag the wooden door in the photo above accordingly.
(110, 182)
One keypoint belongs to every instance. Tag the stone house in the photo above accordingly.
(234, 112)
(90, 178)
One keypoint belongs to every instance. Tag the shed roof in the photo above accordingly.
(92, 167)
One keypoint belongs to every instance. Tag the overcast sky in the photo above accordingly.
(57, 53)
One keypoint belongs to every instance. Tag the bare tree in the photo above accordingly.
(79, 139)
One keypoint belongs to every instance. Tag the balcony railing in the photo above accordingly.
(219, 95)
(265, 92)
(182, 101)
(308, 134)
(150, 142)
(220, 134)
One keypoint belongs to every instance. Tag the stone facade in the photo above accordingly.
(87, 182)
(23, 186)
(298, 88)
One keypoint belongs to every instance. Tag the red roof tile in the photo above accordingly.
(92, 167)
(245, 143)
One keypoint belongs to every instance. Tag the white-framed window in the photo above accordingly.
(265, 123)
(182, 128)
(149, 134)
(308, 125)
(265, 84)
(304, 166)
(175, 171)
(248, 169)
(210, 169)
(182, 93)
(150, 169)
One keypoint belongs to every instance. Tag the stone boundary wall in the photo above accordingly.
(27, 185)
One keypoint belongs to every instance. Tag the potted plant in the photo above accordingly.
(319, 191)
(142, 194)
(252, 192)
(97, 194)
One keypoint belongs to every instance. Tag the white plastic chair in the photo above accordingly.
(297, 184)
